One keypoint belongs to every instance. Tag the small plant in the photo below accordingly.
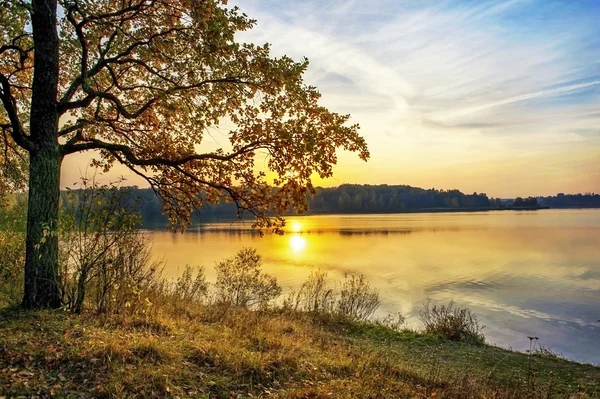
(357, 300)
(190, 287)
(537, 349)
(314, 296)
(452, 322)
(393, 321)
(241, 282)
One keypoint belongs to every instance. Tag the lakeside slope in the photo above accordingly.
(223, 353)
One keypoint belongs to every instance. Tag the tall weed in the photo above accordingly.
(314, 296)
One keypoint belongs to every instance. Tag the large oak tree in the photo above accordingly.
(141, 82)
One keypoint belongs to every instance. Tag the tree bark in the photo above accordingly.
(41, 258)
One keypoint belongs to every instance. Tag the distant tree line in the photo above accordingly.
(587, 200)
(529, 202)
(353, 198)
(342, 199)
(349, 198)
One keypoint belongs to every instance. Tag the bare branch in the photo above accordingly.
(9, 103)
(94, 144)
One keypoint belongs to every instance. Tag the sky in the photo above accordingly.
(501, 97)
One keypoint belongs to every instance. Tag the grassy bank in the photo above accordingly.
(229, 353)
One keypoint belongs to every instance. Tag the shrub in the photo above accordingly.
(357, 300)
(314, 296)
(123, 283)
(103, 254)
(240, 281)
(189, 287)
(452, 322)
(184, 296)
(12, 252)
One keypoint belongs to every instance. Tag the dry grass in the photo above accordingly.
(245, 353)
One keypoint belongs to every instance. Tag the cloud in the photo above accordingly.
(510, 100)
(335, 64)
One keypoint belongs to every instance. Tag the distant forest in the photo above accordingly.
(588, 200)
(348, 198)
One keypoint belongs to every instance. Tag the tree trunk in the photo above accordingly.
(41, 258)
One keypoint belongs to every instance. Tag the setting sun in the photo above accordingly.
(296, 227)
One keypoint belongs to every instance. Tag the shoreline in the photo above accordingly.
(225, 218)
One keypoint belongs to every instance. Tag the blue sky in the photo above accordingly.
(499, 96)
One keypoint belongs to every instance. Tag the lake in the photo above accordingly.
(523, 273)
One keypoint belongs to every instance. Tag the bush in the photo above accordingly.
(357, 300)
(189, 287)
(12, 252)
(105, 260)
(314, 296)
(123, 283)
(240, 281)
(452, 322)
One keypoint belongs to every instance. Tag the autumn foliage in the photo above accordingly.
(141, 83)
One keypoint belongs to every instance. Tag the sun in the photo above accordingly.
(296, 227)
(298, 243)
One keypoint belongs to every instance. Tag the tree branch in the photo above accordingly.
(65, 104)
(158, 188)
(81, 123)
(94, 144)
(9, 103)
(82, 42)
(122, 108)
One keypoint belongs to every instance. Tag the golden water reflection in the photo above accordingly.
(525, 273)
(298, 243)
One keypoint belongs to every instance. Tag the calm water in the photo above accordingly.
(524, 273)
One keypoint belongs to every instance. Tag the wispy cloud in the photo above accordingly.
(521, 97)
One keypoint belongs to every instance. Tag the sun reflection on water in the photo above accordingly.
(298, 243)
